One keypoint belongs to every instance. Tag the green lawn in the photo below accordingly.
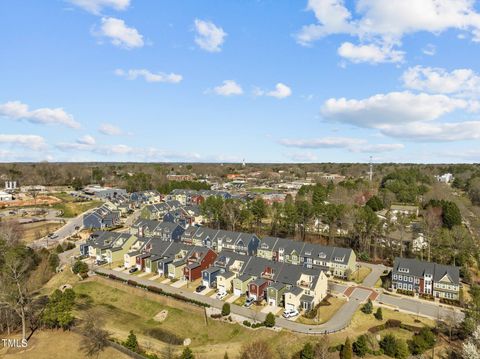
(73, 209)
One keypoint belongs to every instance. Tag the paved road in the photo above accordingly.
(421, 307)
(63, 232)
(374, 275)
(339, 321)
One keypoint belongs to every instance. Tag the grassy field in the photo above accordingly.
(359, 275)
(325, 311)
(33, 231)
(56, 344)
(72, 207)
(124, 308)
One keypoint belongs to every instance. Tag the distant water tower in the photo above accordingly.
(243, 163)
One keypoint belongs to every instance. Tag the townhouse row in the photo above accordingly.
(334, 261)
(426, 278)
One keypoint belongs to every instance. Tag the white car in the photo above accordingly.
(290, 313)
(221, 295)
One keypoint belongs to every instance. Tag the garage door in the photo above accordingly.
(289, 306)
(206, 283)
(237, 292)
(272, 302)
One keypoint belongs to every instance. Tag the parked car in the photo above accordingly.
(249, 302)
(290, 313)
(200, 288)
(221, 295)
(77, 228)
(133, 270)
(100, 262)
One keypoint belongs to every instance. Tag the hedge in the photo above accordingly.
(393, 323)
(406, 292)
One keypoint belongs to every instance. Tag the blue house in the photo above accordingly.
(209, 276)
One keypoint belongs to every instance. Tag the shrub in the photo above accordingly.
(378, 314)
(226, 309)
(346, 352)
(187, 354)
(393, 347)
(270, 320)
(367, 307)
(216, 316)
(247, 323)
(131, 342)
(360, 346)
(80, 267)
(422, 341)
(307, 352)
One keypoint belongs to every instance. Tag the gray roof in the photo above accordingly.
(306, 298)
(227, 274)
(268, 243)
(419, 268)
(295, 290)
(212, 270)
(108, 240)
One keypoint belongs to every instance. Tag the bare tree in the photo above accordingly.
(321, 348)
(257, 350)
(95, 339)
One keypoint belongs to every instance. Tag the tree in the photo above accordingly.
(402, 350)
(187, 354)
(360, 346)
(226, 309)
(225, 356)
(256, 350)
(375, 203)
(58, 312)
(16, 263)
(307, 351)
(321, 348)
(346, 352)
(80, 267)
(422, 341)
(304, 214)
(95, 339)
(393, 347)
(378, 314)
(259, 211)
(367, 308)
(270, 320)
(131, 342)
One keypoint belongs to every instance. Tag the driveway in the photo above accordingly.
(340, 320)
(374, 275)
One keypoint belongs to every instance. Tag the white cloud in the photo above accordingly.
(228, 88)
(87, 140)
(17, 110)
(110, 130)
(120, 34)
(439, 80)
(387, 22)
(281, 91)
(383, 110)
(302, 157)
(349, 143)
(96, 6)
(326, 142)
(209, 36)
(370, 53)
(378, 148)
(32, 142)
(88, 144)
(429, 50)
(435, 132)
(149, 76)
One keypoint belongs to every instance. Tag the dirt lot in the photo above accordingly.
(33, 231)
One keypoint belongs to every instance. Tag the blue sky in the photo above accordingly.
(219, 81)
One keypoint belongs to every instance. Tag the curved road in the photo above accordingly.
(339, 321)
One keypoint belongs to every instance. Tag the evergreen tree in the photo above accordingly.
(187, 354)
(131, 342)
(270, 320)
(360, 346)
(307, 352)
(379, 314)
(367, 307)
(346, 352)
(226, 309)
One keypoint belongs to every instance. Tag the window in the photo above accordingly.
(395, 276)
(400, 277)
